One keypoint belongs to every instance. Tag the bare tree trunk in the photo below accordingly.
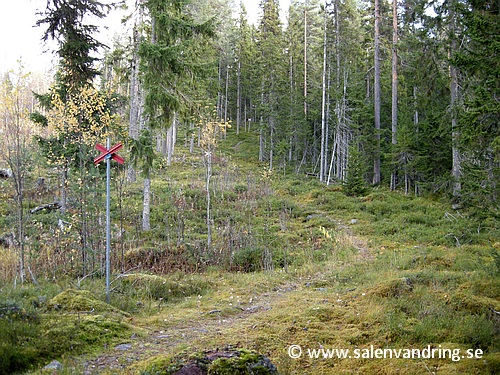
(64, 188)
(322, 164)
(171, 139)
(271, 142)
(261, 144)
(415, 113)
(261, 125)
(305, 61)
(291, 111)
(394, 117)
(376, 156)
(238, 99)
(136, 94)
(327, 120)
(455, 133)
(191, 141)
(18, 176)
(219, 94)
(208, 158)
(226, 103)
(146, 204)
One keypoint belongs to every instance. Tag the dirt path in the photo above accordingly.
(118, 359)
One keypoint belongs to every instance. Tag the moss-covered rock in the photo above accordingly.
(219, 362)
(73, 333)
(161, 288)
(72, 300)
(241, 362)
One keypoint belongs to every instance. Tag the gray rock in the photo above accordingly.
(54, 365)
(123, 347)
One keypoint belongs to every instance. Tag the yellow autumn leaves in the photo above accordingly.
(211, 126)
(85, 114)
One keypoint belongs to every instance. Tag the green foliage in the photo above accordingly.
(248, 259)
(354, 184)
(170, 59)
(143, 152)
(64, 22)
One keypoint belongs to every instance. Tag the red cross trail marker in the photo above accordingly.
(110, 152)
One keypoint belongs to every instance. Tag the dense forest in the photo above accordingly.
(358, 93)
(213, 111)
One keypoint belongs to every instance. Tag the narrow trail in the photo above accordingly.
(163, 341)
(118, 359)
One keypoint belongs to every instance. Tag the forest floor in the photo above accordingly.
(183, 334)
(212, 327)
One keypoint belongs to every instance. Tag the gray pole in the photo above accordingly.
(108, 219)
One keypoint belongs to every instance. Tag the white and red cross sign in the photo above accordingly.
(111, 153)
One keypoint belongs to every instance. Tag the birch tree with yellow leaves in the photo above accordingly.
(16, 148)
(211, 126)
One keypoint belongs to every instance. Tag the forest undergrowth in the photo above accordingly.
(292, 262)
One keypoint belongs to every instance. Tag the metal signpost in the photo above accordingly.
(108, 153)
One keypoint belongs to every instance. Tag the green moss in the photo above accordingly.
(158, 365)
(392, 288)
(163, 288)
(243, 362)
(225, 362)
(492, 360)
(75, 333)
(72, 300)
(474, 304)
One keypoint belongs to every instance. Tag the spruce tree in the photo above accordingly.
(171, 65)
(354, 184)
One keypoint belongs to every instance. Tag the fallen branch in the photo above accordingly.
(50, 207)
